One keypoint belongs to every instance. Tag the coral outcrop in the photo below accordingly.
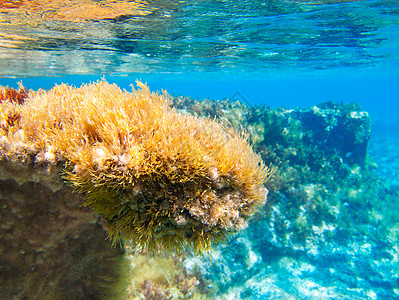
(157, 177)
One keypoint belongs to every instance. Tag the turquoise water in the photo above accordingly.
(273, 52)
(276, 53)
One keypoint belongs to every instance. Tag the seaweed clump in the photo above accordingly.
(13, 95)
(157, 177)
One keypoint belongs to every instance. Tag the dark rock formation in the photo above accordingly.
(50, 246)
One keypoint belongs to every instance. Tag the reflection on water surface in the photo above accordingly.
(123, 37)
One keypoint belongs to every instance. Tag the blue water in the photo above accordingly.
(375, 93)
(277, 53)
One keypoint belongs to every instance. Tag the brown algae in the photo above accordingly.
(157, 177)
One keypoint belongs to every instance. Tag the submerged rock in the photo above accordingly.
(51, 247)
(158, 179)
(328, 229)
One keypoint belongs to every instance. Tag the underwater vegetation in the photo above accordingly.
(163, 276)
(160, 179)
(157, 177)
(13, 95)
(328, 229)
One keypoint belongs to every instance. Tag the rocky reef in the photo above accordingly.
(159, 179)
(327, 230)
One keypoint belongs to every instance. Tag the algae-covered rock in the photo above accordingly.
(151, 176)
(156, 176)
(319, 153)
(328, 229)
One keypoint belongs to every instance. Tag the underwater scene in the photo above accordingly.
(199, 149)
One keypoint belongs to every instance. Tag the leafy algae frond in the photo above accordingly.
(157, 177)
